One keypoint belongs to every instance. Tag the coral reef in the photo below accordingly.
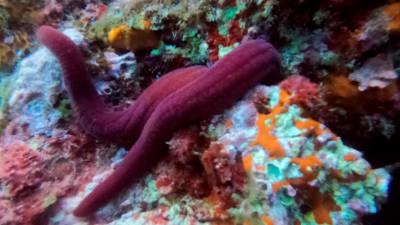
(16, 30)
(35, 175)
(263, 55)
(269, 159)
(36, 87)
(376, 72)
(163, 121)
(17, 174)
(306, 176)
(15, 40)
(293, 175)
(12, 48)
(305, 93)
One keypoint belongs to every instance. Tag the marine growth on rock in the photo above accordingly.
(263, 112)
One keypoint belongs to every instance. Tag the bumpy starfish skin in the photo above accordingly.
(97, 118)
(179, 98)
(211, 93)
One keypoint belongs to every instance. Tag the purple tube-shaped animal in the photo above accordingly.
(98, 119)
(212, 92)
(179, 98)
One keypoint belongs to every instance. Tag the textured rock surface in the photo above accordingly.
(36, 88)
(296, 170)
(331, 43)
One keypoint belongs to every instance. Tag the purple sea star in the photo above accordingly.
(205, 93)
(98, 119)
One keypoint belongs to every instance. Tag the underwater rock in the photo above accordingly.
(264, 161)
(294, 160)
(13, 47)
(305, 93)
(36, 85)
(296, 172)
(121, 65)
(92, 12)
(21, 170)
(383, 22)
(36, 172)
(376, 72)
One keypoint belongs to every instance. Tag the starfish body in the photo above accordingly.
(98, 119)
(208, 92)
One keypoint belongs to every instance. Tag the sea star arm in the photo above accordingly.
(225, 82)
(95, 116)
(125, 126)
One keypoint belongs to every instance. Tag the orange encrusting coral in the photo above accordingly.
(309, 166)
(228, 124)
(322, 204)
(220, 211)
(314, 128)
(311, 125)
(393, 12)
(146, 24)
(341, 86)
(279, 184)
(350, 157)
(266, 126)
(260, 168)
(247, 163)
(247, 222)
(266, 220)
(123, 37)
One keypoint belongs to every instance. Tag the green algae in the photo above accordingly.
(6, 87)
(65, 109)
(49, 200)
(4, 17)
(250, 205)
(225, 50)
(226, 15)
(113, 17)
(292, 55)
(150, 193)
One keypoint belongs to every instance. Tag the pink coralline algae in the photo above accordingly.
(207, 92)
(305, 93)
(225, 174)
(22, 169)
(36, 172)
(194, 166)
(21, 174)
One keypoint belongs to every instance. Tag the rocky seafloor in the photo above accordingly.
(320, 147)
